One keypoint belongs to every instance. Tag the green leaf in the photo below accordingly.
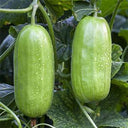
(113, 120)
(65, 112)
(64, 34)
(123, 73)
(116, 60)
(110, 109)
(124, 5)
(57, 7)
(121, 78)
(124, 34)
(6, 67)
(6, 94)
(6, 18)
(125, 54)
(116, 52)
(82, 9)
(106, 6)
(14, 30)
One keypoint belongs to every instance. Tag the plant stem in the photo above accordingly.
(95, 8)
(33, 122)
(43, 124)
(35, 6)
(6, 53)
(24, 10)
(12, 113)
(86, 114)
(6, 119)
(114, 14)
(50, 30)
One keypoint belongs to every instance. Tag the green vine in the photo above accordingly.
(43, 124)
(25, 10)
(50, 30)
(7, 52)
(114, 14)
(12, 113)
(86, 114)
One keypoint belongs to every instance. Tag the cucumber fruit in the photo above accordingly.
(91, 60)
(33, 71)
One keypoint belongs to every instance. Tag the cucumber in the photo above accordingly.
(33, 71)
(91, 60)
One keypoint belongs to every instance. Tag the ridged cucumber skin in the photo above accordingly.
(33, 71)
(91, 60)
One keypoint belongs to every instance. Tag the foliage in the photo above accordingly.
(64, 112)
(6, 18)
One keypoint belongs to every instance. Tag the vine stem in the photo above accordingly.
(86, 114)
(35, 6)
(95, 8)
(43, 124)
(24, 10)
(6, 53)
(114, 14)
(50, 30)
(12, 113)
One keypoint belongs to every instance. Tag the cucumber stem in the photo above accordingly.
(86, 114)
(12, 113)
(50, 30)
(95, 8)
(33, 122)
(35, 6)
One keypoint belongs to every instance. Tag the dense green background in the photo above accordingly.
(64, 112)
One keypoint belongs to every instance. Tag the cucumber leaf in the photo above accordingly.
(64, 34)
(116, 60)
(82, 9)
(6, 18)
(121, 78)
(106, 7)
(6, 94)
(6, 66)
(66, 113)
(58, 7)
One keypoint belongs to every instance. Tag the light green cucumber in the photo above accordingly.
(33, 71)
(91, 60)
